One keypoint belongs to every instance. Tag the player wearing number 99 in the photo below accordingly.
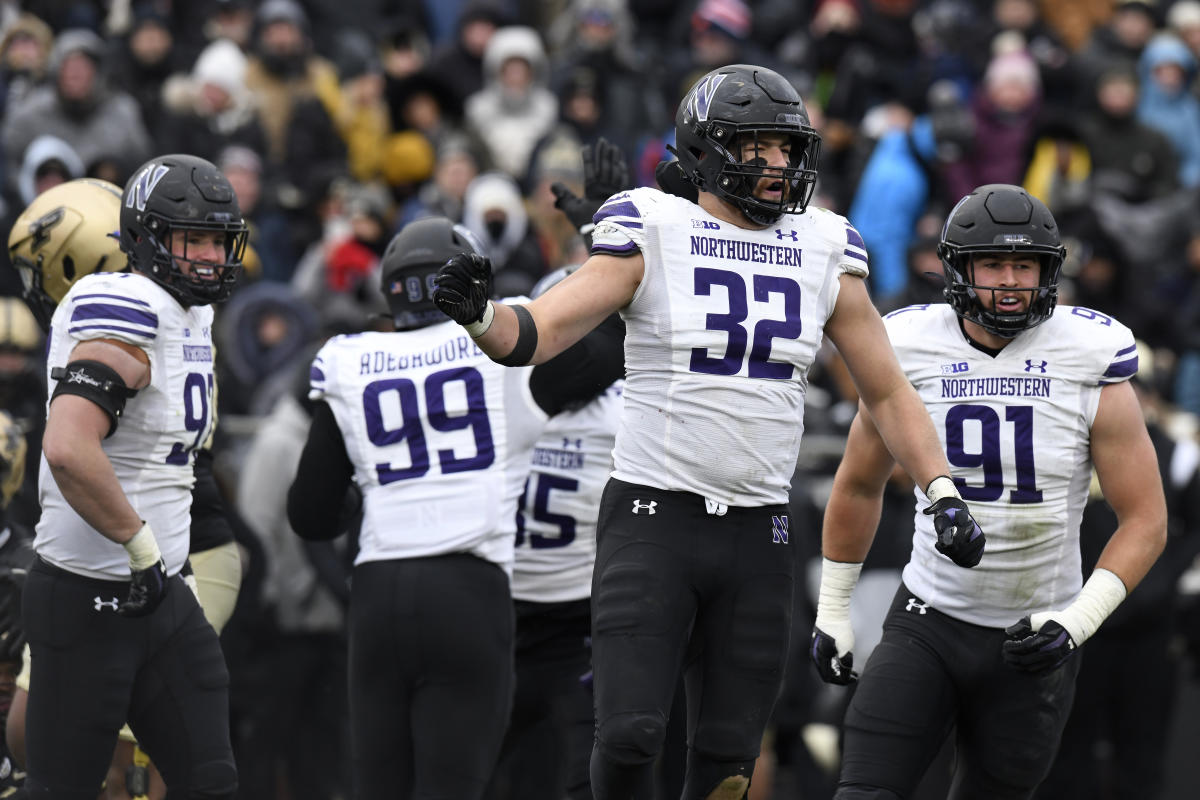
(726, 301)
(438, 438)
(1027, 398)
(112, 628)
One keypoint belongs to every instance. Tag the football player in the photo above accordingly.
(69, 231)
(113, 628)
(439, 439)
(1027, 398)
(726, 301)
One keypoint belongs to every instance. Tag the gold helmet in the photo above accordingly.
(67, 232)
(12, 458)
(18, 329)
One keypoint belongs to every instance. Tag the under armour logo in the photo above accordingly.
(79, 376)
(103, 603)
(916, 605)
(779, 529)
(638, 505)
(780, 234)
(1030, 366)
(715, 507)
(568, 442)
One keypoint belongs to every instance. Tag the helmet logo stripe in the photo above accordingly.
(702, 95)
(143, 186)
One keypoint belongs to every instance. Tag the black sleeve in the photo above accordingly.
(316, 496)
(581, 372)
(210, 525)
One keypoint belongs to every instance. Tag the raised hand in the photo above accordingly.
(464, 286)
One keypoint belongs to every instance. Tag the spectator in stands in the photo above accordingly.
(79, 108)
(1168, 72)
(515, 108)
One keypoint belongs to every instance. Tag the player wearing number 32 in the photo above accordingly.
(439, 440)
(113, 630)
(726, 302)
(1028, 398)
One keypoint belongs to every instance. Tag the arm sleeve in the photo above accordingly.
(583, 371)
(315, 498)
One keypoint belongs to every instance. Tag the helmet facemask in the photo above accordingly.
(966, 296)
(735, 180)
(203, 281)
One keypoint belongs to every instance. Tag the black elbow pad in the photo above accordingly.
(95, 381)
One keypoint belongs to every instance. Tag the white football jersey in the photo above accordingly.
(1016, 429)
(556, 524)
(440, 438)
(153, 448)
(720, 336)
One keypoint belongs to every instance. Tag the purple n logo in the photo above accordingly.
(143, 186)
(702, 96)
(779, 529)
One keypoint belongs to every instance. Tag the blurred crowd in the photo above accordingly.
(340, 122)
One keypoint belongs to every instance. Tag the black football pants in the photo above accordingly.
(678, 589)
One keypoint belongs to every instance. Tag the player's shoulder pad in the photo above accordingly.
(119, 305)
(1097, 342)
(629, 208)
(843, 237)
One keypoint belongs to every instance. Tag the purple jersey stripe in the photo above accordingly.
(142, 333)
(135, 316)
(853, 254)
(854, 239)
(1131, 349)
(623, 208)
(1122, 369)
(120, 297)
(627, 249)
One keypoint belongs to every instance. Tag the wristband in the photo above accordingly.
(838, 579)
(143, 549)
(477, 329)
(1100, 596)
(941, 487)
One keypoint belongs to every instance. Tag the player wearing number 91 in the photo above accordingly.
(439, 440)
(112, 627)
(1027, 399)
(726, 301)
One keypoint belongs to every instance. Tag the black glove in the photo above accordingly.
(147, 588)
(1042, 651)
(671, 180)
(464, 285)
(604, 174)
(823, 651)
(959, 537)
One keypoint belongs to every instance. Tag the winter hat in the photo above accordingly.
(731, 17)
(1016, 67)
(221, 64)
